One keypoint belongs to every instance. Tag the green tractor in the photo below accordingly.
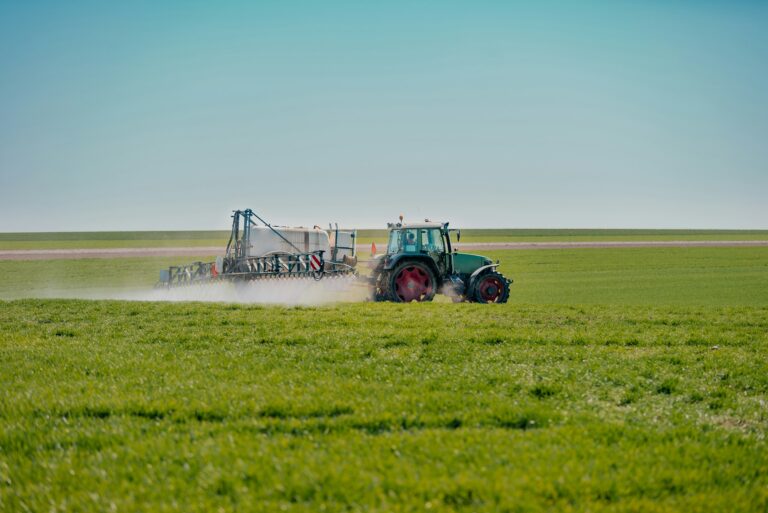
(419, 263)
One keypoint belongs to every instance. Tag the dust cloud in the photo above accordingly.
(279, 291)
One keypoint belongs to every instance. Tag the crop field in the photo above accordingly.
(158, 239)
(587, 235)
(632, 276)
(630, 379)
(91, 240)
(199, 407)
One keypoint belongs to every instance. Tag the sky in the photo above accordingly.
(169, 115)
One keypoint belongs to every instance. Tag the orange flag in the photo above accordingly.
(373, 249)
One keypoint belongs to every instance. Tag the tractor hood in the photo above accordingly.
(464, 263)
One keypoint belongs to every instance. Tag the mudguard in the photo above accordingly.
(390, 263)
(478, 272)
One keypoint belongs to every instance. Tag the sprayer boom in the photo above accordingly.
(256, 252)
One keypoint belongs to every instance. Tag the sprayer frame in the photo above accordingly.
(236, 265)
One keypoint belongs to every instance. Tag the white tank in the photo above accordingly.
(264, 241)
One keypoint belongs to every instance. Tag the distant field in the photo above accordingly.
(591, 235)
(380, 407)
(87, 240)
(630, 276)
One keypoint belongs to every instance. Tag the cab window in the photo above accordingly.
(411, 240)
(431, 240)
(394, 242)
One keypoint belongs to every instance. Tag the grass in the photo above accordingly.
(45, 278)
(638, 276)
(379, 407)
(616, 380)
(93, 240)
(630, 276)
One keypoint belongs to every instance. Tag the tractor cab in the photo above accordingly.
(421, 238)
(426, 241)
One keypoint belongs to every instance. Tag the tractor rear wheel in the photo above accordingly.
(412, 281)
(491, 288)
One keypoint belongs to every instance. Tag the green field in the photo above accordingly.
(630, 276)
(585, 235)
(630, 379)
(378, 407)
(92, 240)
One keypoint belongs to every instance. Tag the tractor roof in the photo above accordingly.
(431, 224)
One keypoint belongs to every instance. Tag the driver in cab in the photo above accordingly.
(410, 242)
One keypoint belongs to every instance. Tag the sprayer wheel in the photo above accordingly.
(412, 281)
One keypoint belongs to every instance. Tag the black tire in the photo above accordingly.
(490, 287)
(422, 284)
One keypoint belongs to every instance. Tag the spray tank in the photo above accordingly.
(256, 252)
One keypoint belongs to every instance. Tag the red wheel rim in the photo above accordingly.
(412, 283)
(491, 289)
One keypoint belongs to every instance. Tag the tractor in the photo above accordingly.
(419, 262)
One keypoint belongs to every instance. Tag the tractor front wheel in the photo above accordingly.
(412, 281)
(491, 288)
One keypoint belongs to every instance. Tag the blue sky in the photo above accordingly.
(167, 115)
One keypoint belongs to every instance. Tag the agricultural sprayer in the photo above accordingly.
(418, 263)
(267, 252)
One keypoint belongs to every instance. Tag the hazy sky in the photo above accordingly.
(168, 115)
